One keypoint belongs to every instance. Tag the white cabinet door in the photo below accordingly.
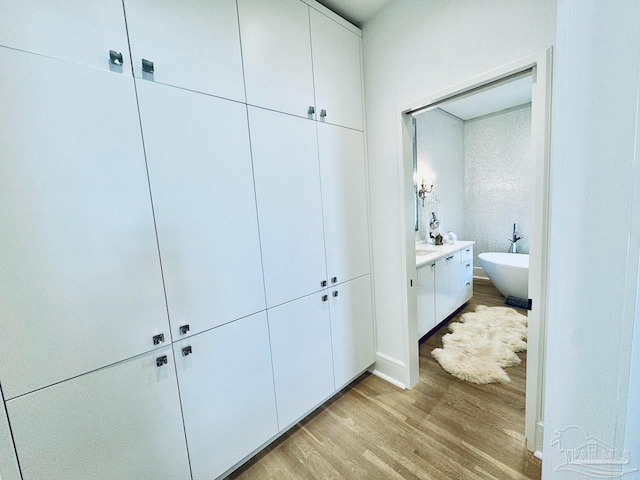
(442, 274)
(455, 282)
(344, 200)
(9, 469)
(287, 179)
(193, 45)
(302, 360)
(200, 171)
(276, 51)
(226, 387)
(336, 71)
(121, 422)
(351, 329)
(426, 298)
(82, 286)
(76, 30)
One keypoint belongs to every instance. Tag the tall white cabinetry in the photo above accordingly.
(83, 287)
(187, 264)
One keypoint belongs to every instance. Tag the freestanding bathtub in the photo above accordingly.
(509, 272)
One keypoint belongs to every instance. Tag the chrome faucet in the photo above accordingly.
(513, 248)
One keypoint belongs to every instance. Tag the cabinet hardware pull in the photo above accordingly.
(334, 279)
(323, 113)
(158, 339)
(311, 110)
(186, 351)
(468, 265)
(323, 283)
(325, 298)
(433, 265)
(160, 361)
(115, 58)
(335, 294)
(147, 65)
(184, 329)
(468, 284)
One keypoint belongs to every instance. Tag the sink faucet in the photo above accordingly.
(513, 248)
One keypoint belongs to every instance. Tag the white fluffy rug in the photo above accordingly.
(482, 344)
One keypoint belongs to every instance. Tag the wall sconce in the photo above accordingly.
(424, 191)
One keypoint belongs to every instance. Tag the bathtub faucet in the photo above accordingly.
(513, 248)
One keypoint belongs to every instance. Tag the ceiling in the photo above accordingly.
(356, 11)
(505, 95)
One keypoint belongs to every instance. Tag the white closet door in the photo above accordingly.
(276, 51)
(120, 422)
(228, 400)
(344, 199)
(351, 329)
(75, 30)
(336, 71)
(200, 171)
(78, 254)
(287, 177)
(193, 44)
(302, 359)
(426, 298)
(8, 463)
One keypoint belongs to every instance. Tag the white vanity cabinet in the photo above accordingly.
(75, 30)
(299, 61)
(200, 172)
(352, 336)
(122, 421)
(227, 393)
(445, 283)
(287, 180)
(344, 202)
(9, 469)
(337, 73)
(193, 45)
(82, 286)
(426, 298)
(276, 51)
(302, 356)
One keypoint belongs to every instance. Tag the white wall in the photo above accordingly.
(440, 155)
(413, 49)
(595, 225)
(498, 180)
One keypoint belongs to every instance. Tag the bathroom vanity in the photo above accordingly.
(445, 281)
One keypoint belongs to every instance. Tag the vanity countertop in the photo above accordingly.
(427, 253)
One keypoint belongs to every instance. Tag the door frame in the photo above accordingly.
(541, 65)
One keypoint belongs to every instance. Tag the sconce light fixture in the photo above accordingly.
(424, 191)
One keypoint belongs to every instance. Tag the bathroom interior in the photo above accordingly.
(474, 188)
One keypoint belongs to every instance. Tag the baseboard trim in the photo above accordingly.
(389, 379)
(390, 369)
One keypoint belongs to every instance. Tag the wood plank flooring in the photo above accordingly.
(442, 429)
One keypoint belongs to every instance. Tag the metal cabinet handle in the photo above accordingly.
(449, 258)
(334, 279)
(116, 57)
(323, 113)
(323, 283)
(468, 284)
(184, 329)
(147, 65)
(160, 361)
(467, 265)
(325, 298)
(311, 110)
(335, 294)
(158, 339)
(186, 351)
(433, 265)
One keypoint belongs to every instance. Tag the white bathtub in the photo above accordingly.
(509, 272)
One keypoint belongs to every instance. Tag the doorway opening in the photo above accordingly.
(467, 199)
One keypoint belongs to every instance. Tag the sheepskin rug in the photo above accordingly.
(482, 344)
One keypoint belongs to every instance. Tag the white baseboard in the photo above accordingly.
(478, 272)
(390, 369)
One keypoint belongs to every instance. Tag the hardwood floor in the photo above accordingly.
(443, 428)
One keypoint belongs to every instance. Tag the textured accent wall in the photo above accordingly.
(440, 151)
(498, 180)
